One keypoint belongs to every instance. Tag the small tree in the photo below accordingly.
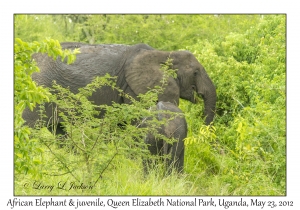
(28, 94)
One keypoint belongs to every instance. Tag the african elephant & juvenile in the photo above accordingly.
(137, 68)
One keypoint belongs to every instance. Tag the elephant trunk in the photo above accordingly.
(210, 106)
(207, 91)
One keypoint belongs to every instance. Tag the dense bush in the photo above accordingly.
(244, 151)
(249, 72)
(165, 32)
(28, 94)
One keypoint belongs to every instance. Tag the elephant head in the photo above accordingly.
(143, 72)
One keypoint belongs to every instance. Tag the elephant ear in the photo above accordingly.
(143, 72)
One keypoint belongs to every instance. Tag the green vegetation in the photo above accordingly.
(28, 94)
(242, 153)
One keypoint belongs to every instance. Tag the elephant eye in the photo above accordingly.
(195, 73)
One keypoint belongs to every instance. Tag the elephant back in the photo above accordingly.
(177, 127)
(93, 61)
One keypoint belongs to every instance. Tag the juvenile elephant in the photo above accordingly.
(175, 127)
(137, 68)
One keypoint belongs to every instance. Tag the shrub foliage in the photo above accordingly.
(242, 153)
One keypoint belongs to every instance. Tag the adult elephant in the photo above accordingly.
(176, 128)
(137, 68)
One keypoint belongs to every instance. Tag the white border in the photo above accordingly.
(110, 6)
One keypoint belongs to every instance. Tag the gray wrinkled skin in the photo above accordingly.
(175, 128)
(137, 70)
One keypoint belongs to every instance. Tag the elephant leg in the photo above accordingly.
(147, 163)
(60, 134)
(180, 162)
(177, 157)
(155, 147)
(165, 152)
